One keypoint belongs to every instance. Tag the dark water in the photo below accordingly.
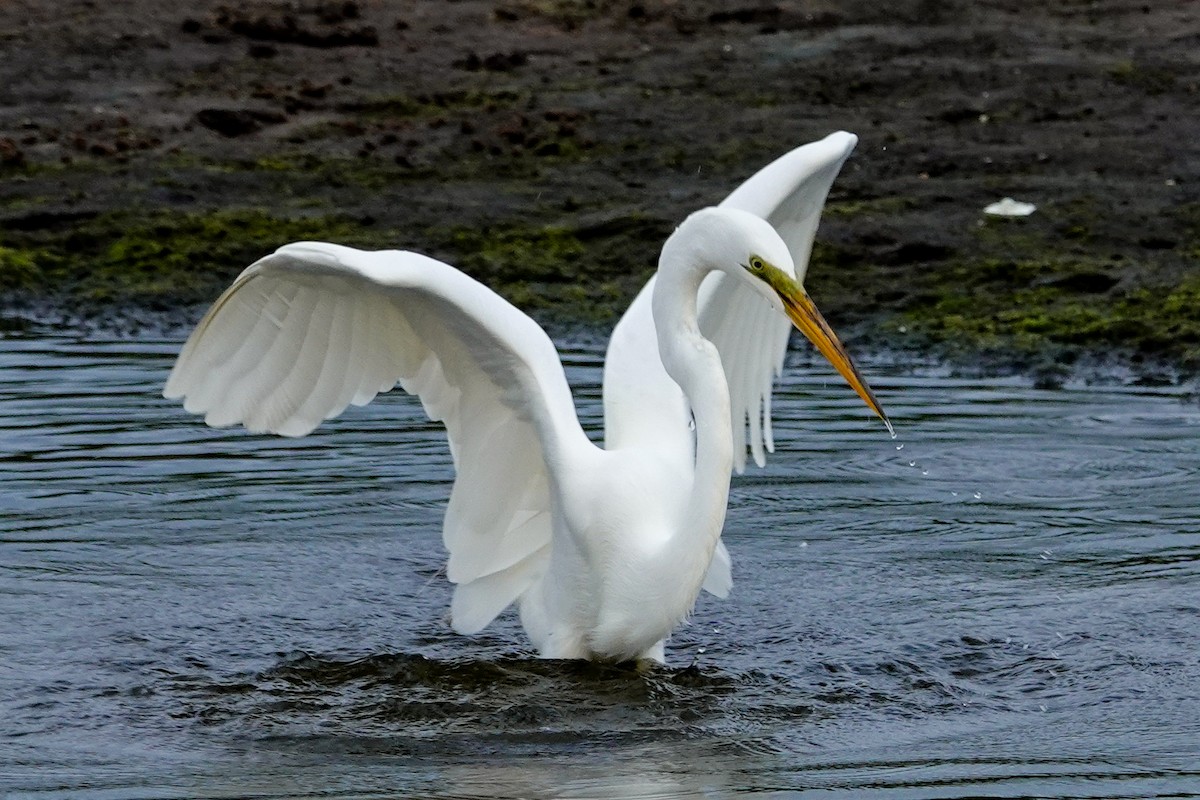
(1009, 606)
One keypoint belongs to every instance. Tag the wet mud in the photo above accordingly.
(149, 151)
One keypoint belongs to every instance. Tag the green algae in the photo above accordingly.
(162, 259)
(1030, 293)
(19, 268)
(548, 254)
(1012, 307)
(156, 258)
(1061, 282)
(570, 274)
(1152, 79)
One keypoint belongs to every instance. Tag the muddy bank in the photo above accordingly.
(150, 151)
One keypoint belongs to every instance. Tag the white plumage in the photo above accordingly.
(604, 550)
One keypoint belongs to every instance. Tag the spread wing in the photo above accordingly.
(642, 403)
(314, 328)
(752, 338)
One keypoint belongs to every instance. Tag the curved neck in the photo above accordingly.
(694, 363)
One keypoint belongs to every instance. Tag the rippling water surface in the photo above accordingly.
(1004, 602)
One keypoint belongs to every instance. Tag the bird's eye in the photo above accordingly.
(757, 264)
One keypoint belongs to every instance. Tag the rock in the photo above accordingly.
(1087, 282)
(10, 153)
(232, 123)
(496, 62)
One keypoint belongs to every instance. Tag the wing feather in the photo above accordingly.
(789, 193)
(265, 395)
(747, 333)
(313, 328)
(719, 578)
(318, 386)
(380, 364)
(273, 314)
(247, 322)
(277, 411)
(477, 603)
(756, 365)
(752, 339)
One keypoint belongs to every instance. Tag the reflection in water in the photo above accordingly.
(1000, 602)
(685, 769)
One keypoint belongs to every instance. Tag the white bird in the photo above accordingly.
(604, 550)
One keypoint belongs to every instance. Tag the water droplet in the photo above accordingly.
(912, 463)
(1043, 708)
(900, 446)
(977, 495)
(924, 472)
(804, 544)
(700, 649)
(955, 494)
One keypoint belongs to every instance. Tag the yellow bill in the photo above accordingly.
(805, 316)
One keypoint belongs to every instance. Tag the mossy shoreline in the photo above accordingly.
(549, 154)
(1031, 309)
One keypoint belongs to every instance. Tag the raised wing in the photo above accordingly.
(315, 327)
(752, 338)
(641, 401)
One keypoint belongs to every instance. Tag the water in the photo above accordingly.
(1008, 606)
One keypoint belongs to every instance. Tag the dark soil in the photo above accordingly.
(149, 151)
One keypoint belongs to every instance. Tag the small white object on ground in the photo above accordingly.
(1010, 208)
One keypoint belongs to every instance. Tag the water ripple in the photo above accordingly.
(998, 602)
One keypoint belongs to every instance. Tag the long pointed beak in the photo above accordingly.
(804, 315)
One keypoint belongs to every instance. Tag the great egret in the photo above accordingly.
(603, 549)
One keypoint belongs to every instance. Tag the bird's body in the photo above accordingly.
(603, 550)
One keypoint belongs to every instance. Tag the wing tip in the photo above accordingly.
(849, 140)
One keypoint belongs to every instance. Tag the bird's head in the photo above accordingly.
(750, 249)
